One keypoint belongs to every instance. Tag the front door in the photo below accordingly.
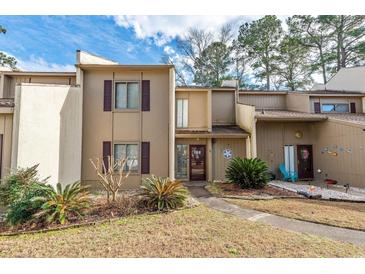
(197, 163)
(305, 162)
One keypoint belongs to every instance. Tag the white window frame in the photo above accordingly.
(115, 94)
(137, 171)
(182, 119)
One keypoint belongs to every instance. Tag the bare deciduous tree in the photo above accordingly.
(112, 175)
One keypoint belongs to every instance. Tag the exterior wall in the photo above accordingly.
(197, 108)
(223, 107)
(6, 124)
(348, 141)
(245, 119)
(330, 100)
(11, 81)
(272, 136)
(219, 163)
(264, 100)
(48, 117)
(129, 126)
(298, 102)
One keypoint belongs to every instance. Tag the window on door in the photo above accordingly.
(126, 95)
(181, 161)
(182, 113)
(289, 158)
(129, 152)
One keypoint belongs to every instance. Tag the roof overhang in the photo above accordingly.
(210, 135)
(123, 67)
(38, 73)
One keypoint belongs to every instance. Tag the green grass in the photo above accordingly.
(196, 232)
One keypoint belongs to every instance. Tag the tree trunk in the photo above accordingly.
(323, 65)
(267, 77)
(340, 49)
(114, 195)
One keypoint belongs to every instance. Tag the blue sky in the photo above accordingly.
(50, 42)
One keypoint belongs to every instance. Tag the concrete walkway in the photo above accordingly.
(335, 233)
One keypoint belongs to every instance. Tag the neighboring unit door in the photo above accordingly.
(305, 162)
(197, 163)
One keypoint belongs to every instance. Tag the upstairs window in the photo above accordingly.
(126, 95)
(182, 113)
(344, 108)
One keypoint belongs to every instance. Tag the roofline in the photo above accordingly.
(39, 73)
(258, 92)
(111, 66)
(290, 119)
(205, 87)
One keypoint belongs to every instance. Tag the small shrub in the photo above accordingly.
(22, 210)
(247, 173)
(17, 184)
(163, 193)
(59, 205)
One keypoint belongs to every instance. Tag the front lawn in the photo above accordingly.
(195, 232)
(342, 214)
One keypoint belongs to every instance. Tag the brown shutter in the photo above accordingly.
(107, 152)
(145, 158)
(108, 95)
(352, 107)
(145, 95)
(317, 107)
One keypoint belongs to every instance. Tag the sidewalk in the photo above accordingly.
(335, 233)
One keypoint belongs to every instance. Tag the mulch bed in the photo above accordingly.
(234, 190)
(99, 211)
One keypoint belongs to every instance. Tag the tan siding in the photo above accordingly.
(272, 136)
(330, 100)
(156, 121)
(347, 166)
(6, 124)
(197, 108)
(223, 107)
(264, 101)
(11, 81)
(125, 126)
(238, 147)
(298, 102)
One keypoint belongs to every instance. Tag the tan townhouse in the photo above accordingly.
(62, 120)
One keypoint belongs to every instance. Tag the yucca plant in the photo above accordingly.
(163, 193)
(247, 173)
(61, 204)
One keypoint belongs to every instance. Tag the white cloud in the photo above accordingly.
(39, 64)
(162, 29)
(168, 50)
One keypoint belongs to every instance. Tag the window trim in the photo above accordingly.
(138, 109)
(138, 171)
(187, 114)
(335, 104)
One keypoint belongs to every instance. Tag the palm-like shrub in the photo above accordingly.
(59, 205)
(247, 173)
(163, 193)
